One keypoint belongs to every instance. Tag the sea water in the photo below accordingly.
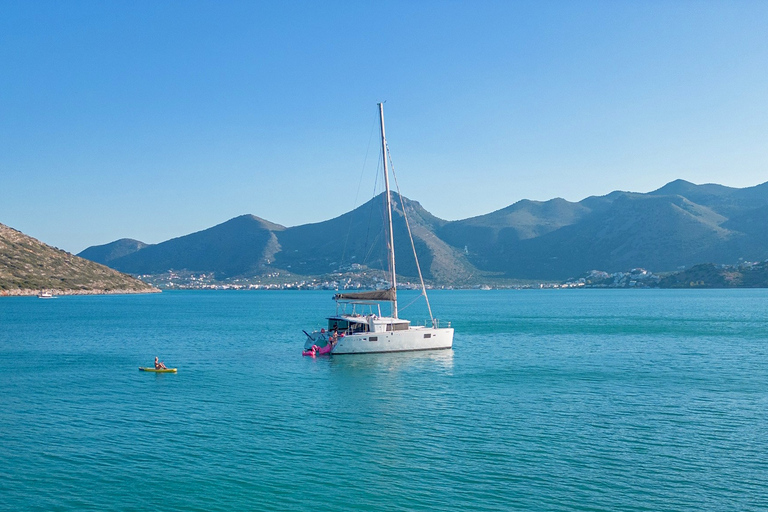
(550, 400)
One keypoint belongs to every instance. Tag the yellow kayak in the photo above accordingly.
(161, 370)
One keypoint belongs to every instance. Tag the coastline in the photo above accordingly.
(55, 292)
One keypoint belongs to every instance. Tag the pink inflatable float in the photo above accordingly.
(321, 351)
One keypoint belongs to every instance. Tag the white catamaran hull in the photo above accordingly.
(424, 338)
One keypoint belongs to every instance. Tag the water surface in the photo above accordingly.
(550, 400)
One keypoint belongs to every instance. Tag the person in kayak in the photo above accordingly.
(159, 365)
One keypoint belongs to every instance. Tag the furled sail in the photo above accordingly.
(389, 295)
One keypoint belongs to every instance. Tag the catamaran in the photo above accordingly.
(358, 326)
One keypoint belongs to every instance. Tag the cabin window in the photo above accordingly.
(398, 327)
(337, 325)
(428, 335)
(373, 338)
(356, 327)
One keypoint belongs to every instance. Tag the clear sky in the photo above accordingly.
(152, 120)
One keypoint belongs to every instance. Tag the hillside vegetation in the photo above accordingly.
(708, 275)
(28, 266)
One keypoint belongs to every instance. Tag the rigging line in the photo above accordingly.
(370, 250)
(410, 303)
(357, 194)
(370, 212)
(410, 235)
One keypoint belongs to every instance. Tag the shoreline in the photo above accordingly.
(30, 293)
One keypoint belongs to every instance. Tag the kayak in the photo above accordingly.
(161, 370)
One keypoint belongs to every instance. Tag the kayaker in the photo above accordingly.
(159, 365)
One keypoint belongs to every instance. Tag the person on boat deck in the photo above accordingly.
(159, 365)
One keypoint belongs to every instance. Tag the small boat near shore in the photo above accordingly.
(46, 295)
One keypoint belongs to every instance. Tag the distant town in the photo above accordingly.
(749, 274)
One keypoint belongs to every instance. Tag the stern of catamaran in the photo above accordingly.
(350, 324)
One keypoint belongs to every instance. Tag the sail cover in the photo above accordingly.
(389, 295)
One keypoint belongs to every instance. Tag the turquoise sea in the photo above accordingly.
(550, 400)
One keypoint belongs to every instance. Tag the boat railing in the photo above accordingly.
(436, 323)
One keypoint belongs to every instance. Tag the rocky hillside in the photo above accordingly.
(28, 266)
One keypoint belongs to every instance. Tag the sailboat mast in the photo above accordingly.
(389, 211)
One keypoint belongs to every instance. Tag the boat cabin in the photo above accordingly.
(360, 312)
(354, 324)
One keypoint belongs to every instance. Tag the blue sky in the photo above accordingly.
(151, 120)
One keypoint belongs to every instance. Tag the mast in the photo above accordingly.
(389, 212)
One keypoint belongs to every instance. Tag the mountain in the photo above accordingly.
(28, 266)
(105, 253)
(678, 225)
(358, 237)
(487, 238)
(248, 245)
(725, 200)
(243, 245)
(660, 233)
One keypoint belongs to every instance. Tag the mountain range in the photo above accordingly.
(679, 225)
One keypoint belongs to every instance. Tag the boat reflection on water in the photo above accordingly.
(396, 361)
(390, 391)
